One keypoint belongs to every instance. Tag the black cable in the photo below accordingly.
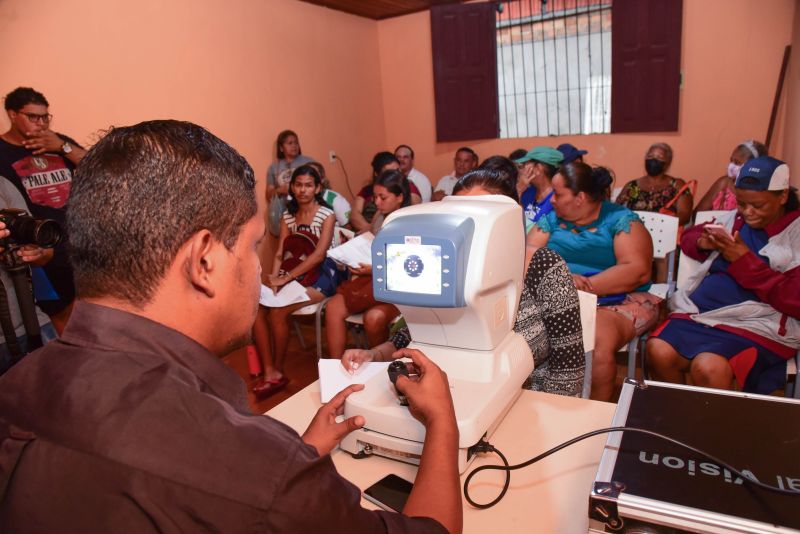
(346, 178)
(508, 468)
(485, 446)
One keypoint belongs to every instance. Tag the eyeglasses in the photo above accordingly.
(36, 117)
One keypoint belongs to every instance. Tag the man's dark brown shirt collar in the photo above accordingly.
(96, 326)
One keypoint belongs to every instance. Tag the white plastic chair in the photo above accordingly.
(663, 230)
(686, 265)
(588, 306)
(355, 323)
(316, 310)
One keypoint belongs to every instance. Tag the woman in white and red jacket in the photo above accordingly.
(737, 316)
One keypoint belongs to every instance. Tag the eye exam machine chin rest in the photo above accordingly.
(455, 270)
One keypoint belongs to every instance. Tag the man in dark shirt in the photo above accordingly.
(40, 162)
(142, 428)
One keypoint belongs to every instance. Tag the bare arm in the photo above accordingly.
(634, 253)
(437, 491)
(684, 205)
(706, 203)
(535, 240)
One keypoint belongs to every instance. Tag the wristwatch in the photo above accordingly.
(66, 148)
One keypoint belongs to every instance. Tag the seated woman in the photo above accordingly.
(657, 189)
(306, 216)
(391, 191)
(722, 195)
(609, 252)
(364, 208)
(737, 317)
(548, 315)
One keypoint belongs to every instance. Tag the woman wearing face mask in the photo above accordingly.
(722, 196)
(657, 189)
(548, 314)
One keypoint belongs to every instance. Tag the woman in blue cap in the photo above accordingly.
(736, 318)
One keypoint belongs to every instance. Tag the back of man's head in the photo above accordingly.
(22, 96)
(140, 193)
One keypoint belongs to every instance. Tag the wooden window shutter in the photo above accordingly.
(645, 65)
(463, 39)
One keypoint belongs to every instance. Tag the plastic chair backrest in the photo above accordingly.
(588, 305)
(663, 231)
(686, 265)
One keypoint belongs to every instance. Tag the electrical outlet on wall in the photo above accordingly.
(332, 156)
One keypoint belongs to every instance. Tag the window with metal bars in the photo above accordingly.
(553, 67)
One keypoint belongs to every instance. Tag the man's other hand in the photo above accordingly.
(428, 394)
(324, 433)
(43, 141)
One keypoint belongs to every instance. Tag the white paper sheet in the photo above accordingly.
(333, 377)
(356, 251)
(291, 293)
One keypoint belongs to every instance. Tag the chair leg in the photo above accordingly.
(633, 347)
(587, 376)
(299, 333)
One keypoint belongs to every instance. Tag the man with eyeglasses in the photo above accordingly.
(40, 162)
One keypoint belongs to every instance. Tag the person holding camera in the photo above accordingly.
(40, 163)
(12, 350)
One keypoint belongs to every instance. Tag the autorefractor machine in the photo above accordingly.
(455, 270)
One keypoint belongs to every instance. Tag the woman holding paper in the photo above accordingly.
(391, 192)
(305, 235)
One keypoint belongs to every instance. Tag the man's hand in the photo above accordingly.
(324, 433)
(35, 254)
(43, 141)
(352, 359)
(428, 395)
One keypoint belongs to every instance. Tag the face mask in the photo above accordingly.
(653, 166)
(733, 170)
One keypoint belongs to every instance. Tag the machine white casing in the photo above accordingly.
(485, 360)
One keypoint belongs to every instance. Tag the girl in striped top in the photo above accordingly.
(307, 212)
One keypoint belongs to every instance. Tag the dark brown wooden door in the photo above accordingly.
(645, 65)
(465, 71)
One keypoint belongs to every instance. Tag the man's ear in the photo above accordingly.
(201, 261)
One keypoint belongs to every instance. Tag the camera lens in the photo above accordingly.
(47, 233)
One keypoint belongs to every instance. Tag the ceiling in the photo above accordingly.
(380, 9)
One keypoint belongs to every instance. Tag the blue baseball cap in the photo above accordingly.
(763, 174)
(571, 152)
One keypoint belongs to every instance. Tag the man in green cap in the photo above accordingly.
(537, 168)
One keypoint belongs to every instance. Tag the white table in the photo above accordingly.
(550, 496)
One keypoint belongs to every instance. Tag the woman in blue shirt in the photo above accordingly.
(609, 253)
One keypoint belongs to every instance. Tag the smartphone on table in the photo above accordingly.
(390, 493)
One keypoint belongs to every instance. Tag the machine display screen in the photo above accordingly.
(414, 268)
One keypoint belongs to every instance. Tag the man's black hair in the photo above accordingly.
(22, 96)
(140, 193)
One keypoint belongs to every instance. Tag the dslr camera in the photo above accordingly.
(25, 230)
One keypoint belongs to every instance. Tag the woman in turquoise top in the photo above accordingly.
(609, 253)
